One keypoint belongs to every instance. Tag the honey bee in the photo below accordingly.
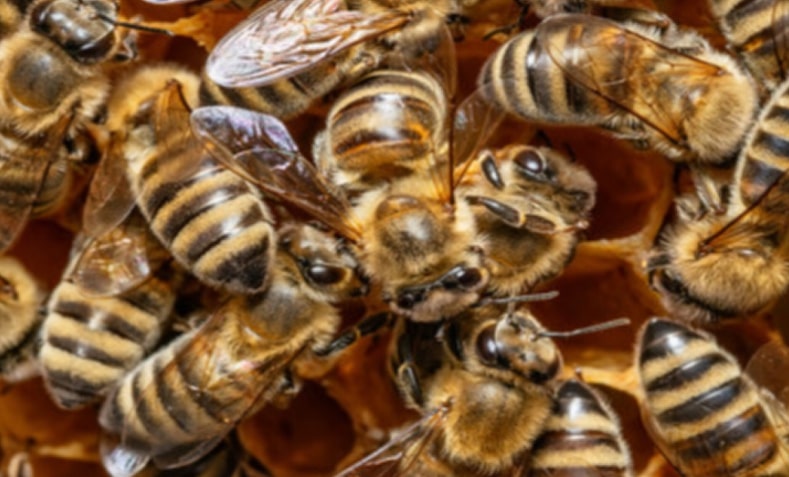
(582, 435)
(20, 298)
(53, 85)
(485, 388)
(385, 127)
(733, 265)
(214, 223)
(758, 32)
(290, 52)
(665, 89)
(530, 203)
(706, 415)
(409, 236)
(182, 400)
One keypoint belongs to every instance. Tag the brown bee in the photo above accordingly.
(733, 265)
(665, 89)
(215, 224)
(484, 382)
(181, 401)
(530, 203)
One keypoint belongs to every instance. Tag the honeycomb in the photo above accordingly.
(346, 412)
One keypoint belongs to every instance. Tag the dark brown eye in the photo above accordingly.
(530, 162)
(487, 349)
(461, 277)
(325, 275)
(409, 299)
(469, 277)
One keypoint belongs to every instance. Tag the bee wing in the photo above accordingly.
(769, 367)
(286, 37)
(258, 147)
(589, 60)
(116, 246)
(475, 121)
(400, 456)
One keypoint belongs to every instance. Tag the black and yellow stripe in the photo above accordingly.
(706, 415)
(89, 343)
(388, 125)
(765, 158)
(211, 220)
(759, 31)
(582, 436)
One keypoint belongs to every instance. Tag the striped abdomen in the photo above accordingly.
(211, 220)
(388, 125)
(582, 436)
(523, 79)
(288, 97)
(89, 343)
(704, 413)
(193, 390)
(765, 157)
(757, 30)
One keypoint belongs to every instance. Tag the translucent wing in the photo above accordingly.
(116, 247)
(110, 199)
(475, 121)
(188, 396)
(24, 174)
(286, 37)
(599, 57)
(741, 230)
(769, 368)
(402, 454)
(259, 148)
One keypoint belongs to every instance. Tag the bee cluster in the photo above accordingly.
(324, 237)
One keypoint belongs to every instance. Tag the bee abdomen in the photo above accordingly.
(753, 29)
(706, 414)
(214, 224)
(581, 437)
(388, 118)
(766, 155)
(285, 98)
(523, 79)
(90, 343)
(165, 404)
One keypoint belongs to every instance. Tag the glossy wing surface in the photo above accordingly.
(604, 59)
(259, 149)
(286, 37)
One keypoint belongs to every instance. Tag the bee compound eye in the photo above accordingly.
(487, 348)
(531, 162)
(409, 299)
(324, 274)
(469, 277)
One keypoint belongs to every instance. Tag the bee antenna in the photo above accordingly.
(134, 26)
(606, 325)
(527, 298)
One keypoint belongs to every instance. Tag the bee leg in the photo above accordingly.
(709, 189)
(521, 220)
(367, 326)
(409, 384)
